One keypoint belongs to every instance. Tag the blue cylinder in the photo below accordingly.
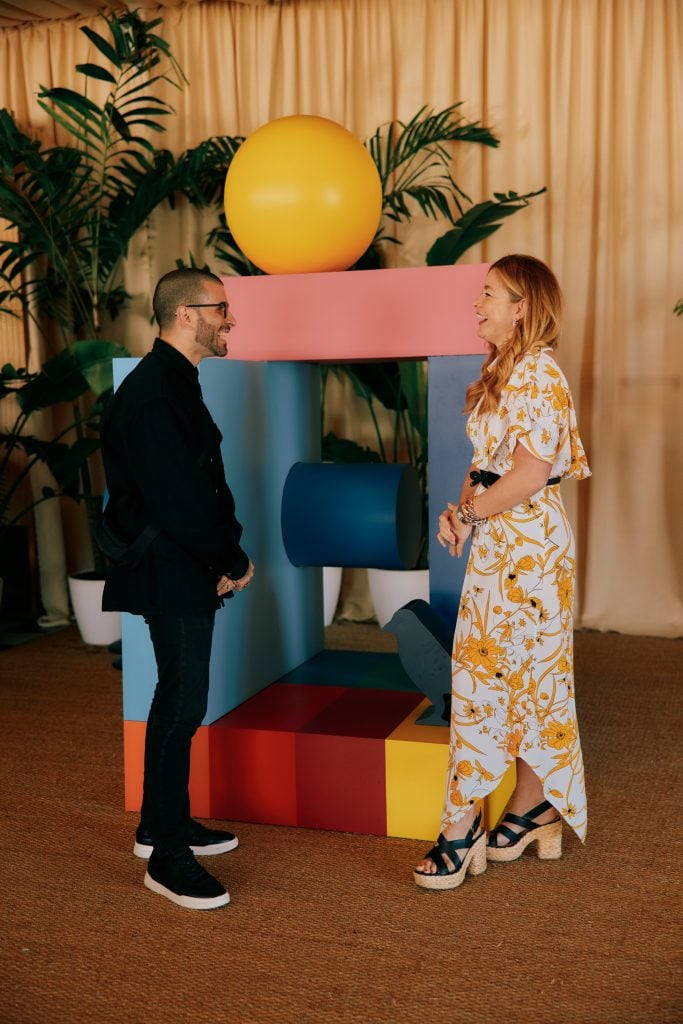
(360, 516)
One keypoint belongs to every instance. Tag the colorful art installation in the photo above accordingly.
(295, 734)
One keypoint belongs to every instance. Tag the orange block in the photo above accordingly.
(134, 761)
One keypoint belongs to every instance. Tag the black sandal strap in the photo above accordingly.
(511, 836)
(525, 821)
(522, 820)
(542, 807)
(435, 855)
(449, 847)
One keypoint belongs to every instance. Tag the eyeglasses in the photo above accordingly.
(222, 306)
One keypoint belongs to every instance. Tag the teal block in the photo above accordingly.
(355, 669)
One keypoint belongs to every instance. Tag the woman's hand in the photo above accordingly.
(461, 530)
(452, 533)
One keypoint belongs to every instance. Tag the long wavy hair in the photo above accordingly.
(526, 278)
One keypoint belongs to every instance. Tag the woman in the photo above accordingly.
(513, 696)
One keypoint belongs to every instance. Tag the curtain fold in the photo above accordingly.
(586, 98)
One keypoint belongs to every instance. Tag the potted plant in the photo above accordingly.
(74, 209)
(85, 367)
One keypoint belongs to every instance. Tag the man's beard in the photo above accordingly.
(207, 337)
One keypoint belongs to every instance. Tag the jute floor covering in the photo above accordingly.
(327, 927)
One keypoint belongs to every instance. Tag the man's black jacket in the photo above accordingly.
(163, 467)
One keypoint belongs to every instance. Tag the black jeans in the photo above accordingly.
(182, 647)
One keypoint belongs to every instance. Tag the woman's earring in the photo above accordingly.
(514, 321)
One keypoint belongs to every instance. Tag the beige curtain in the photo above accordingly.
(586, 96)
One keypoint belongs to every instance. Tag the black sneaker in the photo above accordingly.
(182, 880)
(204, 842)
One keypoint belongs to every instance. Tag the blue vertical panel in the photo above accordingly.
(450, 454)
(269, 416)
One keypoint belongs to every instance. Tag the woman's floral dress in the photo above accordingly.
(513, 689)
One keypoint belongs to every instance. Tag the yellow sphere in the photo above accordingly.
(302, 195)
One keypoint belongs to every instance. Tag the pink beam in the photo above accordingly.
(409, 313)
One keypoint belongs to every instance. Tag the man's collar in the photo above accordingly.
(173, 357)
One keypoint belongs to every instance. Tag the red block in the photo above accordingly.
(372, 714)
(340, 761)
(341, 784)
(293, 754)
(252, 753)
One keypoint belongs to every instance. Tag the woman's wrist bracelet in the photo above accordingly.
(466, 513)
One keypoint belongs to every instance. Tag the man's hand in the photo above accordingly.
(245, 580)
(224, 586)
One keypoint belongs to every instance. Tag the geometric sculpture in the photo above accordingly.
(265, 400)
(352, 515)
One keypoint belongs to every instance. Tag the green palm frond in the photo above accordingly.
(203, 169)
(414, 163)
(76, 207)
(480, 221)
(226, 250)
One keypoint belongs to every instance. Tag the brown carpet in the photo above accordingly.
(326, 927)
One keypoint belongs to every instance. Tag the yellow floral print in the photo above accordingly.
(526, 564)
(559, 734)
(513, 687)
(482, 651)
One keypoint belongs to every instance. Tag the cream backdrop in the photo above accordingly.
(587, 99)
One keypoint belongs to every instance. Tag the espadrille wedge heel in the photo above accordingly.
(473, 862)
(548, 837)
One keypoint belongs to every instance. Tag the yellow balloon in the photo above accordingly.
(302, 195)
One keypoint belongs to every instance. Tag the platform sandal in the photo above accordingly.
(473, 862)
(548, 837)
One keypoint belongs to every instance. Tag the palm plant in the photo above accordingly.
(414, 166)
(74, 209)
(85, 366)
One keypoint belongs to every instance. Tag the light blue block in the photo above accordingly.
(269, 415)
(450, 454)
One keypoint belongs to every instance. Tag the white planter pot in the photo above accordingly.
(390, 589)
(332, 581)
(95, 626)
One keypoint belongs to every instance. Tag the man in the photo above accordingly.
(169, 499)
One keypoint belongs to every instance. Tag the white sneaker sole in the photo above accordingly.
(144, 851)
(189, 902)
